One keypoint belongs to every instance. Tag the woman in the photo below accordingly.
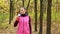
(23, 22)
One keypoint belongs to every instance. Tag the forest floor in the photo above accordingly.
(10, 29)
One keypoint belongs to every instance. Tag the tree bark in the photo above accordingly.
(35, 15)
(41, 16)
(28, 6)
(23, 2)
(49, 17)
(11, 11)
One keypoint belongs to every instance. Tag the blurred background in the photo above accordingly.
(45, 15)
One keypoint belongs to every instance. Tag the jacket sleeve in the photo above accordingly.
(16, 21)
(30, 24)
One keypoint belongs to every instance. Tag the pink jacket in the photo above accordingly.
(23, 25)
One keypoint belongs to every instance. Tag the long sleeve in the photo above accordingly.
(16, 22)
(30, 24)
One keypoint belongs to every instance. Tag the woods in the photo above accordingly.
(43, 13)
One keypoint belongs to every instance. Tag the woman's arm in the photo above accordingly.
(16, 22)
(30, 24)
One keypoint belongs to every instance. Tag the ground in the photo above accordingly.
(10, 29)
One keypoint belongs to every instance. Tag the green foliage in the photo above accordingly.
(5, 6)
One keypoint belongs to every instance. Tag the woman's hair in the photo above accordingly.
(24, 8)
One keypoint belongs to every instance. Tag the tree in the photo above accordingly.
(23, 2)
(28, 6)
(49, 17)
(11, 11)
(41, 16)
(35, 15)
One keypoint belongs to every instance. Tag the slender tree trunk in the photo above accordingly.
(49, 17)
(28, 6)
(23, 2)
(41, 16)
(12, 9)
(10, 12)
(35, 15)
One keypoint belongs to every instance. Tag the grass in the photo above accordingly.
(4, 18)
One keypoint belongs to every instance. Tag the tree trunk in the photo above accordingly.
(49, 17)
(28, 6)
(41, 16)
(11, 11)
(35, 15)
(23, 2)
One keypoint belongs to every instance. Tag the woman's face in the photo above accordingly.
(22, 11)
